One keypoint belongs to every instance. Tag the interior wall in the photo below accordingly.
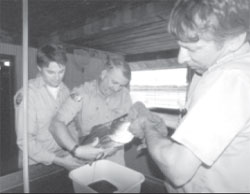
(85, 69)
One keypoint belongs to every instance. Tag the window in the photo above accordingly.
(160, 88)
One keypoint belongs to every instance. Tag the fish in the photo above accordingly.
(111, 134)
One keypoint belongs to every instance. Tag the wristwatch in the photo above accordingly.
(72, 152)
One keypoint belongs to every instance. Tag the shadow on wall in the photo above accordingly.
(76, 74)
(85, 65)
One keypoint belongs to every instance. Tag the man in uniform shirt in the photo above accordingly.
(96, 102)
(46, 93)
(210, 149)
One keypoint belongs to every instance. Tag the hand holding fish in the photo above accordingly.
(89, 151)
(143, 119)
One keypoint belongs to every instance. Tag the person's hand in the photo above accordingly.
(110, 147)
(137, 127)
(141, 146)
(139, 115)
(149, 122)
(156, 124)
(89, 151)
(68, 162)
(138, 109)
(111, 151)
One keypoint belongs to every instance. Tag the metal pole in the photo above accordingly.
(25, 98)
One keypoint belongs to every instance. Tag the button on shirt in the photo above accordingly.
(217, 127)
(42, 107)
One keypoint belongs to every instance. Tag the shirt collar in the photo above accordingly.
(243, 50)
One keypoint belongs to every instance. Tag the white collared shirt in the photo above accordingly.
(217, 127)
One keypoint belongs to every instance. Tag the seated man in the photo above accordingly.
(93, 103)
(46, 93)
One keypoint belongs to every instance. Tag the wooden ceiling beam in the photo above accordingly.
(128, 35)
(126, 18)
(144, 40)
(152, 56)
(157, 44)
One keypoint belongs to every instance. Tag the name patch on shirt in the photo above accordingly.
(76, 97)
(19, 99)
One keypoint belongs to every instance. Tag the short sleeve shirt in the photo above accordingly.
(42, 107)
(217, 127)
(92, 108)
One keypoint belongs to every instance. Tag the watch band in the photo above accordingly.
(72, 152)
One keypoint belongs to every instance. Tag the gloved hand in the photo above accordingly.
(137, 127)
(141, 118)
(140, 125)
(149, 122)
(138, 109)
(156, 123)
(137, 115)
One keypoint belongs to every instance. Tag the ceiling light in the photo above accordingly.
(6, 63)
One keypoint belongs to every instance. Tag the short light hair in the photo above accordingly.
(216, 20)
(51, 53)
(120, 64)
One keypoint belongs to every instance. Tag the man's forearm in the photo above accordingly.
(163, 151)
(177, 163)
(158, 146)
(62, 136)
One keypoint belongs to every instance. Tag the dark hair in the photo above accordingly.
(215, 20)
(120, 64)
(51, 53)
